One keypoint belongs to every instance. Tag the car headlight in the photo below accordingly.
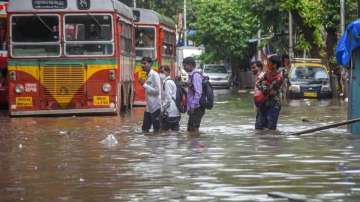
(106, 87)
(294, 88)
(325, 88)
(19, 88)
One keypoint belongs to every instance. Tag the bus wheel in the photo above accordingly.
(119, 100)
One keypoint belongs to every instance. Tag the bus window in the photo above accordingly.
(126, 38)
(3, 34)
(30, 33)
(168, 44)
(88, 35)
(145, 42)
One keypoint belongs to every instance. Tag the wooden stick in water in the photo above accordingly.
(326, 127)
(290, 197)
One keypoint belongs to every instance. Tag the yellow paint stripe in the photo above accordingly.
(92, 69)
(31, 70)
(34, 70)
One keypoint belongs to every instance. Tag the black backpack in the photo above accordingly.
(207, 96)
(181, 97)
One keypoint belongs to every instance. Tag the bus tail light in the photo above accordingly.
(106, 87)
(112, 75)
(19, 88)
(12, 75)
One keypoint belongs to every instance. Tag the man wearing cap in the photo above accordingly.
(152, 88)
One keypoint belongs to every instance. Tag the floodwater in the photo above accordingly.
(63, 158)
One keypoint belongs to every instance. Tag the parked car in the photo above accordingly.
(308, 78)
(218, 74)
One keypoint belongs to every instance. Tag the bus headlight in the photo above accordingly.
(106, 87)
(19, 88)
(294, 88)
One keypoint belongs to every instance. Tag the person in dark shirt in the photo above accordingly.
(268, 95)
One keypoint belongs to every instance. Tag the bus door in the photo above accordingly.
(3, 56)
(145, 46)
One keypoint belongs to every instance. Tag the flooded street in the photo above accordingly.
(62, 159)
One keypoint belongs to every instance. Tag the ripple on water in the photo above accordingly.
(285, 155)
(203, 165)
(228, 162)
(318, 161)
(330, 196)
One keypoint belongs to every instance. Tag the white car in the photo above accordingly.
(218, 74)
(184, 76)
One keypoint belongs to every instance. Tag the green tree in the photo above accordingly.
(224, 27)
(307, 23)
(169, 8)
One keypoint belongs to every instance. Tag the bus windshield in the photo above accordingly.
(35, 35)
(88, 35)
(145, 42)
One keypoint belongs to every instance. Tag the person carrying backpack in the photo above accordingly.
(196, 101)
(170, 112)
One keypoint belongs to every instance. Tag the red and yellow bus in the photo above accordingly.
(3, 56)
(156, 38)
(70, 57)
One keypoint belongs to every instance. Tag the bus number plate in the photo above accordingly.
(24, 102)
(101, 100)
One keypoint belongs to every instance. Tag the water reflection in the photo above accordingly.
(62, 159)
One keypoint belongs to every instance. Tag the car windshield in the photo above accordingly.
(215, 69)
(309, 73)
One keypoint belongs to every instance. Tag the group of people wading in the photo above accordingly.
(164, 104)
(166, 99)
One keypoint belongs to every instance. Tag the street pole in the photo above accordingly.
(291, 41)
(342, 12)
(134, 3)
(259, 45)
(185, 24)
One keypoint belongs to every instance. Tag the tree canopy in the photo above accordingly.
(225, 26)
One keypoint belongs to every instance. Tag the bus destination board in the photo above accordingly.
(49, 4)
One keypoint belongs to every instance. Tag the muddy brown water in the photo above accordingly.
(62, 159)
